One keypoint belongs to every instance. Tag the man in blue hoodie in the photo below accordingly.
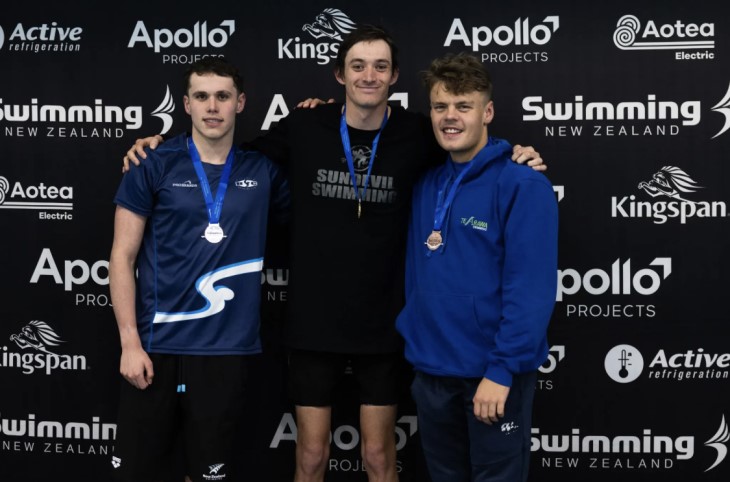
(480, 287)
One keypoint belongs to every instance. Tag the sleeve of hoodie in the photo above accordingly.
(529, 277)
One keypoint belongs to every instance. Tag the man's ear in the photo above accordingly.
(186, 103)
(489, 113)
(240, 102)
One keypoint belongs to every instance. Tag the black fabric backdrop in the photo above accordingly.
(614, 95)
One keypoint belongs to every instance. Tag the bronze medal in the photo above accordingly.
(434, 240)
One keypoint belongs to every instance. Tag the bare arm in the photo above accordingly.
(137, 150)
(135, 365)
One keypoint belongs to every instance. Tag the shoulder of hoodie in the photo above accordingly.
(514, 174)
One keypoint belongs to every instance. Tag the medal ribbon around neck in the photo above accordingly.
(434, 240)
(345, 135)
(214, 207)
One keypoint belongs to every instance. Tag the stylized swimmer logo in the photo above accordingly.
(215, 296)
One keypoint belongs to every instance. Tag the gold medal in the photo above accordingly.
(434, 240)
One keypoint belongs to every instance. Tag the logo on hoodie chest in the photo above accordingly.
(474, 223)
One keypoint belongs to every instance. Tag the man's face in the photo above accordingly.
(368, 73)
(460, 121)
(213, 103)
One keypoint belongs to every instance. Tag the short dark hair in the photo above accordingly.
(213, 65)
(365, 33)
(460, 73)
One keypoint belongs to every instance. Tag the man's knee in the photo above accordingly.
(378, 456)
(312, 456)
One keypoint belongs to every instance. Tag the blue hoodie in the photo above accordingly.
(480, 304)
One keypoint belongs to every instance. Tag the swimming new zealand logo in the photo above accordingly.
(215, 296)
(675, 184)
(163, 111)
(330, 26)
(718, 442)
(38, 337)
(723, 107)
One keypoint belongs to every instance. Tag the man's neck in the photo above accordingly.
(212, 151)
(367, 119)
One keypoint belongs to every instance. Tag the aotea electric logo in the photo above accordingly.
(630, 35)
(671, 189)
(38, 342)
(328, 28)
(53, 202)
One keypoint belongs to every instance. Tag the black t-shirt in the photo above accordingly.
(346, 274)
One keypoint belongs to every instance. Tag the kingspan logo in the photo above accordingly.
(41, 341)
(43, 38)
(38, 197)
(672, 183)
(522, 33)
(330, 26)
(629, 35)
(103, 121)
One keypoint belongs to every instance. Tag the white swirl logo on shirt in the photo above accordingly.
(215, 296)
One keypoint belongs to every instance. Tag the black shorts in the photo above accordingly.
(313, 376)
(197, 398)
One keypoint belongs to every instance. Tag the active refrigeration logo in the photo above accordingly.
(328, 29)
(46, 37)
(199, 36)
(625, 363)
(630, 35)
(30, 434)
(92, 121)
(35, 351)
(672, 189)
(526, 35)
(641, 449)
(621, 279)
(52, 202)
(649, 116)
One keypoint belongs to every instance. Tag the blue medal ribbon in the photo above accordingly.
(345, 135)
(214, 206)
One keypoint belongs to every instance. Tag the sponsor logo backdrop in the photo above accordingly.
(628, 102)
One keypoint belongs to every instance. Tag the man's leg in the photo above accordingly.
(313, 443)
(443, 427)
(501, 451)
(377, 426)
